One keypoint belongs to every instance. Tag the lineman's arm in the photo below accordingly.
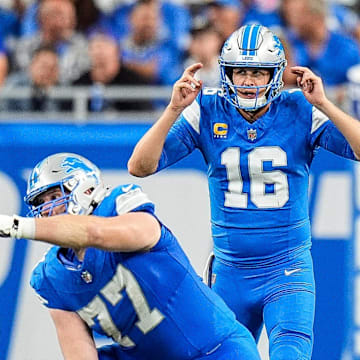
(74, 336)
(312, 88)
(136, 231)
(146, 155)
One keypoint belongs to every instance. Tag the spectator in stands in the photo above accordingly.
(174, 21)
(29, 24)
(343, 19)
(145, 50)
(56, 28)
(10, 20)
(226, 16)
(41, 76)
(264, 12)
(87, 13)
(107, 70)
(205, 45)
(329, 54)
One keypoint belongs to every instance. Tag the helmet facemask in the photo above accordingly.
(38, 208)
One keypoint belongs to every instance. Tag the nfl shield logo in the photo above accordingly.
(251, 134)
(86, 276)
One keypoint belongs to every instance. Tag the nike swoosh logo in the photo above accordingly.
(126, 188)
(289, 272)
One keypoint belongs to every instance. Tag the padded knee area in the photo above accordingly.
(291, 345)
(286, 352)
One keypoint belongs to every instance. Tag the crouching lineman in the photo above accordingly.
(116, 269)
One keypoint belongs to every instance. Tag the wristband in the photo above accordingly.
(23, 227)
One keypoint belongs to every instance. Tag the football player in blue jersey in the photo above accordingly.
(119, 271)
(258, 143)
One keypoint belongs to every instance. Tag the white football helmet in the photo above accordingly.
(79, 180)
(252, 46)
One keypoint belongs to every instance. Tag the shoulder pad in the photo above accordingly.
(132, 198)
(296, 96)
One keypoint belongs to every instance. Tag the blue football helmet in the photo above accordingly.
(252, 46)
(79, 180)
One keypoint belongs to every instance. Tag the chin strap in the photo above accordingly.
(250, 103)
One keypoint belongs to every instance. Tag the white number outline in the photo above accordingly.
(96, 308)
(259, 178)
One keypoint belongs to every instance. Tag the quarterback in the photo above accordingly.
(258, 143)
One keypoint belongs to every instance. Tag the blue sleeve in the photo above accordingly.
(37, 282)
(179, 143)
(148, 207)
(324, 133)
(183, 136)
(42, 285)
(331, 139)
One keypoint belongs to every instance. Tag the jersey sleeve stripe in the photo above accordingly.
(192, 116)
(318, 119)
(126, 203)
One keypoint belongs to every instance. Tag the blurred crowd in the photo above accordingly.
(102, 43)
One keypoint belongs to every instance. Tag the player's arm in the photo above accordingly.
(135, 231)
(74, 336)
(146, 155)
(312, 88)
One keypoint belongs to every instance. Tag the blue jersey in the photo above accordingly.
(152, 304)
(258, 172)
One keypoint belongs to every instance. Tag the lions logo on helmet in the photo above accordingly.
(73, 163)
(252, 46)
(79, 180)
